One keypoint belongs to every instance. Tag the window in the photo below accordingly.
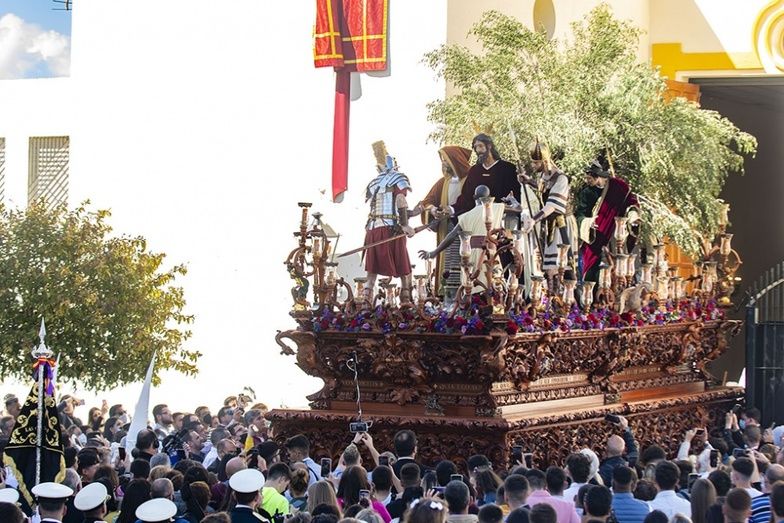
(48, 169)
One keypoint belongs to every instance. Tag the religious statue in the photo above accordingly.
(454, 169)
(387, 225)
(603, 198)
(498, 175)
(472, 222)
(557, 224)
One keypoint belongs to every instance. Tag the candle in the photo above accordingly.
(586, 295)
(536, 288)
(726, 244)
(465, 244)
(620, 228)
(631, 265)
(518, 242)
(568, 292)
(647, 269)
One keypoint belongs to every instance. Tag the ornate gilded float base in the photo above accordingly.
(549, 435)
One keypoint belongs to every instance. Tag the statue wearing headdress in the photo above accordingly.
(557, 224)
(455, 163)
(388, 217)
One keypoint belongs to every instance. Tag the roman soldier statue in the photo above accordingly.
(388, 217)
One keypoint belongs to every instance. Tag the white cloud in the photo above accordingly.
(24, 47)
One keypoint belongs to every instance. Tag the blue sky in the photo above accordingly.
(35, 39)
(39, 12)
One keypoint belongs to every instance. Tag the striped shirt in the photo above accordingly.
(760, 509)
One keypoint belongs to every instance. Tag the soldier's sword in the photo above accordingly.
(393, 238)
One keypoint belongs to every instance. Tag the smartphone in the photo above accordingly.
(439, 490)
(699, 432)
(456, 477)
(430, 481)
(529, 460)
(517, 454)
(326, 467)
(383, 461)
(612, 418)
(364, 494)
(737, 408)
(714, 458)
(121, 450)
(738, 452)
(692, 478)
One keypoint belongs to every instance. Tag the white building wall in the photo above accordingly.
(201, 124)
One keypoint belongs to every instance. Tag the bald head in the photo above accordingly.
(774, 473)
(162, 488)
(615, 446)
(235, 465)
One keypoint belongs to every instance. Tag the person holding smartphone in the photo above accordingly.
(620, 449)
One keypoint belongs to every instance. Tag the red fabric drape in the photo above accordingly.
(349, 35)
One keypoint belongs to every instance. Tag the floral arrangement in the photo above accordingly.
(476, 318)
(601, 318)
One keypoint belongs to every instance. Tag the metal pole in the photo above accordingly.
(40, 435)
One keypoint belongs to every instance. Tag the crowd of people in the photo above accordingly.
(227, 468)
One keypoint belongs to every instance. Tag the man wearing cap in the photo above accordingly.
(51, 499)
(9, 495)
(158, 510)
(246, 485)
(91, 501)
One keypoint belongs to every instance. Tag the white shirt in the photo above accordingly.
(671, 503)
(210, 458)
(753, 492)
(571, 493)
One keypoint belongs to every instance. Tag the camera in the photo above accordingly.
(517, 454)
(383, 461)
(357, 426)
(699, 432)
(612, 418)
(529, 460)
(174, 445)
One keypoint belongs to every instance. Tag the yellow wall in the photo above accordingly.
(686, 38)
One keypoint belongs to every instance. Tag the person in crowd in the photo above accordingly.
(722, 483)
(743, 470)
(381, 480)
(405, 443)
(578, 468)
(410, 480)
(667, 476)
(164, 424)
(111, 428)
(146, 445)
(162, 488)
(66, 411)
(537, 481)
(12, 405)
(620, 449)
(486, 483)
(199, 499)
(556, 481)
(458, 498)
(516, 491)
(216, 436)
(298, 448)
(626, 508)
(273, 502)
(703, 496)
(427, 510)
(542, 513)
(490, 513)
(87, 462)
(10, 513)
(246, 486)
(322, 493)
(656, 516)
(519, 515)
(597, 504)
(51, 499)
(298, 490)
(352, 482)
(777, 502)
(760, 505)
(737, 506)
(136, 493)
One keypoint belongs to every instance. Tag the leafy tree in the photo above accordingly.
(108, 305)
(589, 94)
